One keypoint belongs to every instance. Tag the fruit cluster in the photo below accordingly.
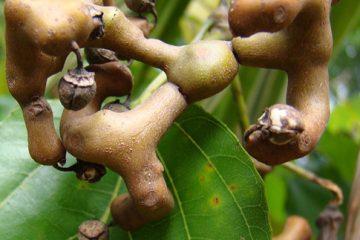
(294, 36)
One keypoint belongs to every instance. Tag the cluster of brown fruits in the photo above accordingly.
(294, 36)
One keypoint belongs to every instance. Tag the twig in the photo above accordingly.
(325, 183)
(76, 49)
(204, 29)
(153, 86)
(330, 219)
(240, 104)
(244, 124)
(244, 121)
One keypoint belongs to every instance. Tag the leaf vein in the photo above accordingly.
(177, 197)
(115, 192)
(22, 183)
(223, 127)
(217, 172)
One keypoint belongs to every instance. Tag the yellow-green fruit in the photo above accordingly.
(203, 69)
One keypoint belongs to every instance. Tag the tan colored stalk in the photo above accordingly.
(128, 148)
(37, 45)
(296, 228)
(200, 69)
(294, 36)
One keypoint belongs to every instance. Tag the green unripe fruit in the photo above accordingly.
(203, 69)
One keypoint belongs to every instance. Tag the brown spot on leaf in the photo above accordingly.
(215, 201)
(209, 167)
(232, 187)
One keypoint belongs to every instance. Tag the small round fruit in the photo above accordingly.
(93, 230)
(76, 89)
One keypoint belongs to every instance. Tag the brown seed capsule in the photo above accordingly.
(77, 88)
(90, 172)
(100, 55)
(279, 127)
(93, 230)
(142, 6)
(329, 222)
(85, 171)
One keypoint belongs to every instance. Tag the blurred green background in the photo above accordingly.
(336, 155)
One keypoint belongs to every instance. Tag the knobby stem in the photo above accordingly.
(161, 78)
(306, 174)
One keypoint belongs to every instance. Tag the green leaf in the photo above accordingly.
(6, 105)
(346, 119)
(276, 193)
(341, 140)
(344, 10)
(341, 151)
(170, 13)
(218, 192)
(37, 202)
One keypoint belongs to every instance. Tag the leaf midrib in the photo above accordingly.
(217, 172)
